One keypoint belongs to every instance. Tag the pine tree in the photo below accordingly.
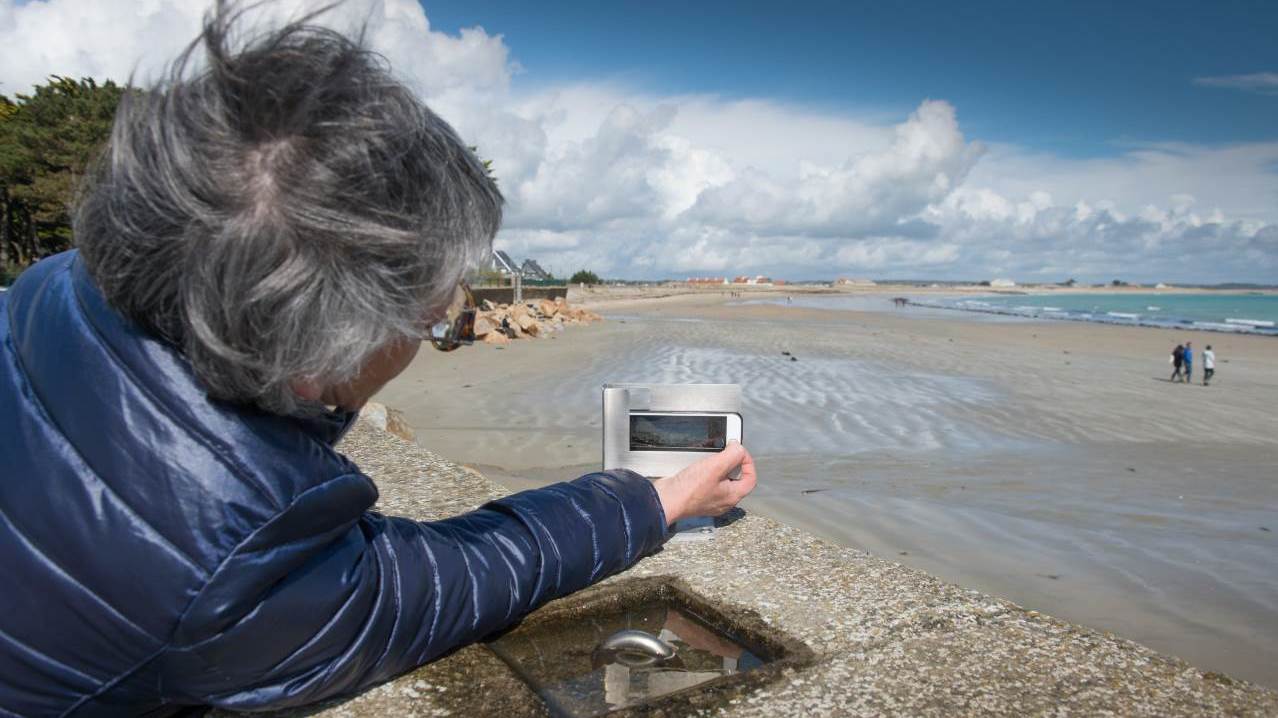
(47, 141)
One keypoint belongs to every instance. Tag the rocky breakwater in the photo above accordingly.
(503, 323)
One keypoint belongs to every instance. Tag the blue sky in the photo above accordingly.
(1031, 140)
(1075, 78)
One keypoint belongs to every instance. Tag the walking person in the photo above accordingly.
(1189, 362)
(1177, 360)
(1209, 365)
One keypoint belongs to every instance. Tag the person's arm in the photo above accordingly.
(329, 598)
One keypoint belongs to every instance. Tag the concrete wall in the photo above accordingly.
(506, 295)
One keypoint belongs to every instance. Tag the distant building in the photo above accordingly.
(757, 279)
(856, 282)
(1160, 285)
(532, 270)
(703, 281)
(499, 261)
(1002, 283)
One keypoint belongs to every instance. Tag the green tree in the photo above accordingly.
(584, 276)
(488, 164)
(47, 141)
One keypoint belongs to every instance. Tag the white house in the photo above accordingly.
(1002, 283)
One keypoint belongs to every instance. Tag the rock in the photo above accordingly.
(397, 424)
(496, 338)
(487, 305)
(526, 322)
(484, 325)
(374, 413)
(534, 329)
(388, 420)
(548, 308)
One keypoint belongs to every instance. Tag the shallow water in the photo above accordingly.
(1167, 306)
(879, 303)
(1236, 313)
(1119, 503)
(563, 663)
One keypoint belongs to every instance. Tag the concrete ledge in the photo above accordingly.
(888, 639)
(506, 295)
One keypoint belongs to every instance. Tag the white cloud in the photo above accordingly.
(871, 192)
(628, 183)
(1262, 83)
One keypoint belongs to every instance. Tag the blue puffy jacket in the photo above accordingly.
(159, 549)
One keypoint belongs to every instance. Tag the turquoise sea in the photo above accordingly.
(1250, 313)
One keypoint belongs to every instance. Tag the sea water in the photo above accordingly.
(1244, 313)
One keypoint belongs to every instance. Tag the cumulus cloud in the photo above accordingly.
(1263, 83)
(114, 40)
(870, 193)
(631, 184)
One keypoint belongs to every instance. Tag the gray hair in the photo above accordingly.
(283, 212)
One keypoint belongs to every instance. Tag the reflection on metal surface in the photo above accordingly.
(591, 665)
(634, 648)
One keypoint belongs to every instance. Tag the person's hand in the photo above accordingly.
(704, 488)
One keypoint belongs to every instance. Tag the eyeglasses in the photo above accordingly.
(458, 325)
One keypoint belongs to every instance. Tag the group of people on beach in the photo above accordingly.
(1182, 359)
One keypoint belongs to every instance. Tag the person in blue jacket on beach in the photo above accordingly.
(1189, 362)
(264, 244)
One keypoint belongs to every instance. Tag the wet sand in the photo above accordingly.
(1050, 463)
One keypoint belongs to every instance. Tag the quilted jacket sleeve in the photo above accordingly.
(328, 598)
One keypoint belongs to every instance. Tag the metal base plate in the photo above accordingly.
(700, 528)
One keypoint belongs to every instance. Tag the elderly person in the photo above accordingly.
(262, 246)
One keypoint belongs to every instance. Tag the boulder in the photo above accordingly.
(496, 338)
(484, 325)
(397, 424)
(525, 322)
(374, 413)
(388, 420)
(548, 308)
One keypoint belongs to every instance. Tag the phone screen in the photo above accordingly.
(678, 432)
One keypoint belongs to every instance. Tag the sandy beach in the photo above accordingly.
(1048, 462)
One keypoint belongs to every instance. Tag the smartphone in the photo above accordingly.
(665, 442)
